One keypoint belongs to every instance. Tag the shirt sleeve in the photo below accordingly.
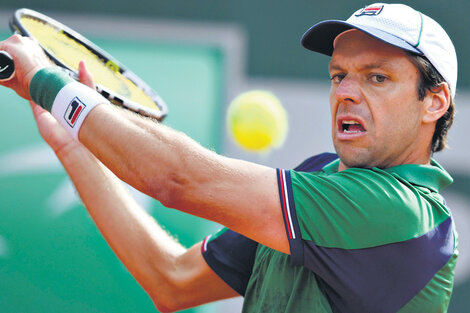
(354, 209)
(231, 256)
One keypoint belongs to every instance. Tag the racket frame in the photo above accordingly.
(17, 27)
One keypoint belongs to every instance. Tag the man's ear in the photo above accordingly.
(437, 103)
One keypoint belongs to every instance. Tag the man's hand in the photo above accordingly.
(28, 57)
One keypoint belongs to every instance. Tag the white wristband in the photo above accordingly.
(72, 105)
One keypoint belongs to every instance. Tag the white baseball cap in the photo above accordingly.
(398, 25)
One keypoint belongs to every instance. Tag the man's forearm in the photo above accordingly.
(170, 274)
(181, 174)
(134, 236)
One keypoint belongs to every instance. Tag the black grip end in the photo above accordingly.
(7, 67)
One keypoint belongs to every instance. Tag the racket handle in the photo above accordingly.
(7, 67)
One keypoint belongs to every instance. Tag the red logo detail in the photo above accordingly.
(373, 10)
(73, 111)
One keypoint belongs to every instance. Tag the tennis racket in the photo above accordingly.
(66, 48)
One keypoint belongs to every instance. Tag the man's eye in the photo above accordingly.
(337, 78)
(377, 78)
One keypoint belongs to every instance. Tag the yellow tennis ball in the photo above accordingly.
(257, 121)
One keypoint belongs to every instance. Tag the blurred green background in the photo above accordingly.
(52, 257)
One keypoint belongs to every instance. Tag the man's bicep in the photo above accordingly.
(260, 210)
(243, 197)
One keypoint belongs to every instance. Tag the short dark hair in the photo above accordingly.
(430, 78)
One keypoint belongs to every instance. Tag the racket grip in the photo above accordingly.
(7, 66)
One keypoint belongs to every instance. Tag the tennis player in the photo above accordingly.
(362, 230)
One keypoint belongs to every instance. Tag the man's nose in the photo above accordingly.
(348, 90)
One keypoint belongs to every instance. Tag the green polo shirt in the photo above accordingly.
(361, 240)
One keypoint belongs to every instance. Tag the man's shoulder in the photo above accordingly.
(316, 162)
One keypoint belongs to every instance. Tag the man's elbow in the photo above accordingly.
(163, 307)
(171, 300)
(173, 191)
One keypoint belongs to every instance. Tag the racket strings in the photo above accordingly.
(70, 52)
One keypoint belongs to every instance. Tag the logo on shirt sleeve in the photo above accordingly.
(73, 111)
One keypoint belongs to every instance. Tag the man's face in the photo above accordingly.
(376, 113)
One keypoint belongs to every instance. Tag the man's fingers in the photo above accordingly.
(28, 57)
(84, 75)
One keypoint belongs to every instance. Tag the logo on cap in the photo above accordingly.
(372, 10)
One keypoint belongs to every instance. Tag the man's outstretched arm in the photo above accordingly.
(181, 174)
(171, 167)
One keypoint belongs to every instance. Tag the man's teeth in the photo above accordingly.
(346, 125)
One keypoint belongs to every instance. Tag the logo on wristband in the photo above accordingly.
(73, 111)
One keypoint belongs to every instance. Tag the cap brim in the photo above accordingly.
(320, 37)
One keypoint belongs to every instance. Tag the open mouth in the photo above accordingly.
(351, 127)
